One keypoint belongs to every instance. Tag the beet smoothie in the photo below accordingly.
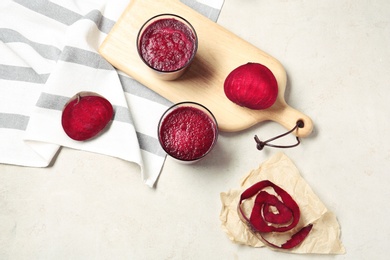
(187, 133)
(167, 44)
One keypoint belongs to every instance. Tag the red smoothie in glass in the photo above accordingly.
(167, 44)
(187, 133)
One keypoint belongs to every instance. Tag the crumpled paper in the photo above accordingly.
(324, 238)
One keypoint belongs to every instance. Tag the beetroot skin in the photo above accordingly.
(273, 213)
(251, 85)
(86, 115)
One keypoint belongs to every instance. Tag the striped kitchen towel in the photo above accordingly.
(48, 53)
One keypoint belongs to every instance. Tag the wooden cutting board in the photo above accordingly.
(219, 52)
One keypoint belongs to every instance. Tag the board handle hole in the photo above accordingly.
(300, 123)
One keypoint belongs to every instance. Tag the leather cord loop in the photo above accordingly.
(261, 144)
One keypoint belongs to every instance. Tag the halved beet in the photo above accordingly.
(251, 85)
(85, 115)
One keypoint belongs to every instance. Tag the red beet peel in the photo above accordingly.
(263, 220)
(85, 115)
(251, 85)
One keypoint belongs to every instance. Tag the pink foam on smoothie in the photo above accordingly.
(187, 133)
(167, 44)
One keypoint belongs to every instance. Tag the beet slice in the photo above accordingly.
(272, 213)
(85, 115)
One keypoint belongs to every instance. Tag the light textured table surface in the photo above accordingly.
(337, 56)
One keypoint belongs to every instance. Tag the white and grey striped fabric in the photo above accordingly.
(48, 53)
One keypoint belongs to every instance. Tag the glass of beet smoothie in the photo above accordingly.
(187, 131)
(167, 43)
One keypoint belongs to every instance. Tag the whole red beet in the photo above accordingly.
(85, 115)
(251, 85)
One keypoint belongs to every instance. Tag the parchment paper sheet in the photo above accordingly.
(324, 238)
